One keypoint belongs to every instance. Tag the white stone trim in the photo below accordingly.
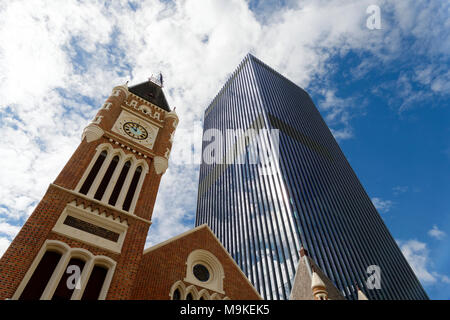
(180, 286)
(160, 164)
(106, 106)
(182, 235)
(215, 269)
(117, 140)
(114, 177)
(136, 97)
(100, 174)
(144, 116)
(137, 192)
(132, 104)
(145, 109)
(99, 149)
(193, 291)
(126, 116)
(92, 132)
(68, 253)
(97, 120)
(100, 260)
(196, 294)
(127, 183)
(173, 115)
(95, 218)
(80, 195)
(116, 91)
(49, 245)
(215, 296)
(205, 294)
(123, 158)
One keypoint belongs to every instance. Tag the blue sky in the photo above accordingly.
(384, 93)
(400, 156)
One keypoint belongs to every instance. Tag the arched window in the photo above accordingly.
(53, 273)
(91, 177)
(123, 174)
(63, 290)
(176, 295)
(205, 270)
(132, 189)
(191, 293)
(42, 274)
(95, 283)
(106, 178)
(177, 291)
(204, 295)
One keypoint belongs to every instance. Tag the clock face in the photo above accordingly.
(135, 130)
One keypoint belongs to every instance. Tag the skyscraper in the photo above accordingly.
(312, 198)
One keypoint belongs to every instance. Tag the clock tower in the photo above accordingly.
(86, 237)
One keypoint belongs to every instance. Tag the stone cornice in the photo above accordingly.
(108, 206)
(146, 153)
(141, 116)
(148, 102)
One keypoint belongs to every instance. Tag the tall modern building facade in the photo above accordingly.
(312, 198)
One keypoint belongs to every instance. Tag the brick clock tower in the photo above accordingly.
(92, 222)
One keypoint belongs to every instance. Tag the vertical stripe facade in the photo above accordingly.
(313, 198)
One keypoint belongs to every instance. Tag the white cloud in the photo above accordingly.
(382, 205)
(4, 244)
(436, 233)
(400, 190)
(417, 254)
(8, 229)
(339, 111)
(59, 60)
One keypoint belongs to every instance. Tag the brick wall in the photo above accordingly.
(18, 257)
(163, 266)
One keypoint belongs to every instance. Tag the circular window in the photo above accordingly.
(201, 272)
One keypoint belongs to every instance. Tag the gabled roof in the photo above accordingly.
(301, 288)
(151, 92)
(202, 228)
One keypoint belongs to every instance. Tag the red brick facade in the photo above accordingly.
(166, 264)
(136, 275)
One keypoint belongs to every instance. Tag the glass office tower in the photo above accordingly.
(312, 198)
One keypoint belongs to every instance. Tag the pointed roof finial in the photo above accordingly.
(303, 251)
